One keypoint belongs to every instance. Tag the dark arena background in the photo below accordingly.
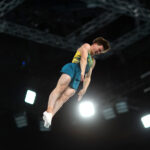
(38, 37)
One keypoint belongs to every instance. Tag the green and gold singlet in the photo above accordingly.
(77, 57)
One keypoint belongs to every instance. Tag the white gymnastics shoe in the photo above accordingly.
(47, 117)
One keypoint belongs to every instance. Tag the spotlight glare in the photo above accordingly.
(146, 121)
(30, 97)
(86, 109)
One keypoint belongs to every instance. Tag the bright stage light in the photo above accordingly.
(146, 121)
(30, 97)
(86, 109)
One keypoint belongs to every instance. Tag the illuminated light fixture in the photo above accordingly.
(21, 120)
(147, 90)
(30, 97)
(146, 121)
(109, 113)
(86, 109)
(42, 128)
(144, 75)
(121, 107)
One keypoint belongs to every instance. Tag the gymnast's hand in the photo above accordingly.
(80, 94)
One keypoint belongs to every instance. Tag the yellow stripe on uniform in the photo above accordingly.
(77, 57)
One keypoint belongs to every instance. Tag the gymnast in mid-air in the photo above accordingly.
(79, 70)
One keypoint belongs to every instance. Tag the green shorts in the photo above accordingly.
(74, 71)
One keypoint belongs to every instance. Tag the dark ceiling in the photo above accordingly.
(44, 35)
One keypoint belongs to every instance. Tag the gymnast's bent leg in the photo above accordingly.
(68, 93)
(62, 84)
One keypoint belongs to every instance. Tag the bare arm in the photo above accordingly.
(88, 77)
(83, 62)
(86, 82)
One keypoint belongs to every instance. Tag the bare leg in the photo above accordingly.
(69, 92)
(62, 84)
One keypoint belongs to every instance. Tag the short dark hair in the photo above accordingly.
(104, 42)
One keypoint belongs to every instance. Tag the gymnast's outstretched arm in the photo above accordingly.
(86, 82)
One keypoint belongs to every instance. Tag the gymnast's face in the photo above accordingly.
(97, 49)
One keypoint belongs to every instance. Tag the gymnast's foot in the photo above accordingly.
(47, 117)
